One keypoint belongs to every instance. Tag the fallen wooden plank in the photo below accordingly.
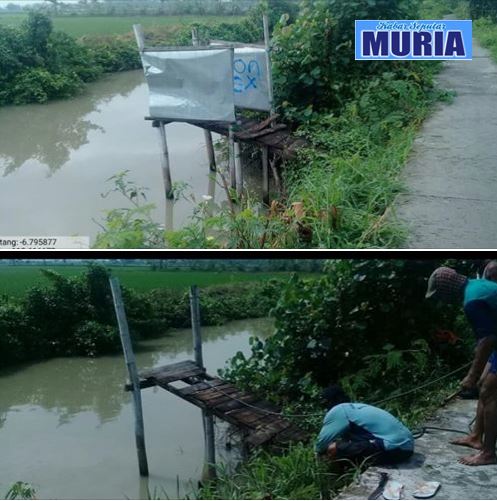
(261, 133)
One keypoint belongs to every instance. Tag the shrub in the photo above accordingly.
(38, 85)
(92, 338)
(314, 62)
(75, 316)
(326, 329)
(483, 8)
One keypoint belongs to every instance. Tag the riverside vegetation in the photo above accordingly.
(360, 120)
(74, 315)
(365, 325)
(38, 63)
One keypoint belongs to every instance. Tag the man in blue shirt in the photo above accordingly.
(359, 431)
(479, 299)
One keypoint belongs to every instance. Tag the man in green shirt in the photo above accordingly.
(479, 299)
(358, 431)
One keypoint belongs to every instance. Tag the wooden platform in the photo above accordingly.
(257, 419)
(278, 138)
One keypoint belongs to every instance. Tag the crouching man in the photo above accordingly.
(357, 431)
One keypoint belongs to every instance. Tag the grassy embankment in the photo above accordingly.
(79, 26)
(16, 280)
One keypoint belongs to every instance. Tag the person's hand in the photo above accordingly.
(331, 452)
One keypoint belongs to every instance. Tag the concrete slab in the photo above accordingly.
(435, 459)
(451, 176)
(445, 222)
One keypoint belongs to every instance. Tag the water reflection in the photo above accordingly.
(66, 426)
(51, 132)
(69, 386)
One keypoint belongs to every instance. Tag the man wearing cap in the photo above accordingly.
(479, 299)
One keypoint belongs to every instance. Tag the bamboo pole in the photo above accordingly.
(129, 357)
(207, 418)
(207, 133)
(165, 164)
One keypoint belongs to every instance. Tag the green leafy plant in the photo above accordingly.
(20, 490)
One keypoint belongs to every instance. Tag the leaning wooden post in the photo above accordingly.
(207, 133)
(129, 357)
(208, 421)
(166, 166)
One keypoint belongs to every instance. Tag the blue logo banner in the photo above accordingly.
(423, 40)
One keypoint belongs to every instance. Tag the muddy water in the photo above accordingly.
(55, 160)
(66, 426)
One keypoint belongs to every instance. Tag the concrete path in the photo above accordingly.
(436, 460)
(451, 176)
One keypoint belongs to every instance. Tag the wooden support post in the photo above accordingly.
(265, 175)
(207, 418)
(231, 157)
(129, 357)
(207, 133)
(276, 176)
(211, 155)
(269, 70)
(197, 334)
(169, 215)
(166, 166)
(238, 170)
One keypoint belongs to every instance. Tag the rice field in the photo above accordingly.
(79, 26)
(16, 280)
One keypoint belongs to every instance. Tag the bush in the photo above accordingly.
(38, 85)
(314, 62)
(75, 316)
(483, 8)
(92, 338)
(330, 329)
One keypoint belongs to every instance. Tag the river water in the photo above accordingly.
(56, 158)
(66, 425)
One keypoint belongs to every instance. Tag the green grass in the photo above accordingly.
(485, 32)
(15, 280)
(78, 26)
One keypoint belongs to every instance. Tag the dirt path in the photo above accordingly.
(451, 177)
(435, 459)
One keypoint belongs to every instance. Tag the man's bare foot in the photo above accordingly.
(468, 441)
(479, 459)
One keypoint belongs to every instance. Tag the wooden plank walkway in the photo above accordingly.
(279, 139)
(257, 419)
